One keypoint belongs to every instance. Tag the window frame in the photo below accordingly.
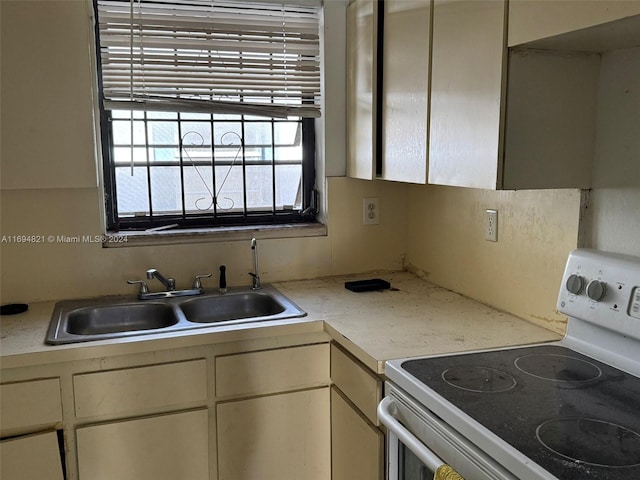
(211, 220)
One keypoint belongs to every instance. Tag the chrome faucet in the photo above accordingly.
(169, 283)
(256, 273)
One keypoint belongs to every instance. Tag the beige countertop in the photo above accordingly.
(413, 318)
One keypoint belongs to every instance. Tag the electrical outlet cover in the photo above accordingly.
(491, 226)
(370, 211)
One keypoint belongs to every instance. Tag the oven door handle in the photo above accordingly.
(386, 411)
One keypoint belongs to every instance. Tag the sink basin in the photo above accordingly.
(116, 317)
(119, 318)
(231, 306)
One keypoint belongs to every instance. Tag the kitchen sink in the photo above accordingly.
(119, 317)
(232, 306)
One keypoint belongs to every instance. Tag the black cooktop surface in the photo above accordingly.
(574, 416)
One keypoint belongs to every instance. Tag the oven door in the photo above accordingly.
(418, 442)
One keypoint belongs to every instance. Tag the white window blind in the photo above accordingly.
(214, 56)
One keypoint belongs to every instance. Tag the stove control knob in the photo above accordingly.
(575, 284)
(596, 290)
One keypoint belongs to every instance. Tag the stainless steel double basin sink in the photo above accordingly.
(115, 317)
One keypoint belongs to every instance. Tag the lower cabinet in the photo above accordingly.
(165, 447)
(280, 412)
(143, 422)
(357, 444)
(357, 447)
(30, 413)
(284, 437)
(273, 414)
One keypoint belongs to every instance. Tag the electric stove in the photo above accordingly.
(565, 410)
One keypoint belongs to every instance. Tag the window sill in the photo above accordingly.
(207, 235)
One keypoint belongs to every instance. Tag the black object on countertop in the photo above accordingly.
(367, 285)
(13, 308)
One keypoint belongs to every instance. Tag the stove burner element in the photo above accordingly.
(478, 379)
(590, 441)
(557, 368)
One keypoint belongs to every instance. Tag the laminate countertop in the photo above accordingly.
(413, 318)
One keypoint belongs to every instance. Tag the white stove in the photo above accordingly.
(564, 410)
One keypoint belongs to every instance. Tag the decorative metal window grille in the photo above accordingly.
(207, 117)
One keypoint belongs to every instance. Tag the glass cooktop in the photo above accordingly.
(574, 416)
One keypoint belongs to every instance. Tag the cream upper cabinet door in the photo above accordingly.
(166, 447)
(362, 19)
(468, 76)
(405, 89)
(531, 20)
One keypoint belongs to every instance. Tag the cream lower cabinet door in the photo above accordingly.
(357, 448)
(283, 437)
(32, 457)
(165, 447)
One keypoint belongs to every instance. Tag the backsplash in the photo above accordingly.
(520, 273)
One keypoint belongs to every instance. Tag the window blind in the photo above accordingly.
(214, 56)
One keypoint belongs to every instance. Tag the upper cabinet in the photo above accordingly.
(467, 81)
(487, 93)
(521, 117)
(405, 90)
(362, 88)
(388, 51)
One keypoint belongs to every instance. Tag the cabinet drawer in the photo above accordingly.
(141, 389)
(33, 457)
(272, 371)
(26, 405)
(361, 386)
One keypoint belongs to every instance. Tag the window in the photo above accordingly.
(207, 112)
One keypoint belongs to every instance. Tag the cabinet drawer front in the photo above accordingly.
(363, 388)
(141, 389)
(30, 404)
(167, 447)
(272, 371)
(34, 457)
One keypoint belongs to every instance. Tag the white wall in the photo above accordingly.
(613, 216)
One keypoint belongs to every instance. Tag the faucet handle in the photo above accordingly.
(143, 285)
(196, 283)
